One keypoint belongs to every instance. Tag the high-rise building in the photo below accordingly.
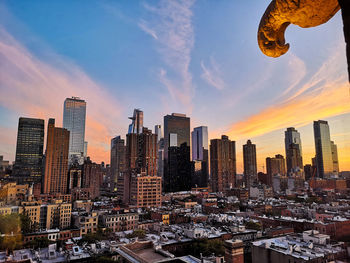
(74, 114)
(118, 165)
(158, 131)
(275, 165)
(137, 122)
(249, 163)
(160, 148)
(222, 164)
(323, 146)
(177, 125)
(177, 155)
(294, 159)
(139, 185)
(177, 175)
(200, 156)
(56, 159)
(85, 149)
(335, 158)
(29, 150)
(292, 136)
(92, 178)
(160, 159)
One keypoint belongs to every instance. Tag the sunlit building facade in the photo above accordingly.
(249, 163)
(292, 136)
(323, 147)
(56, 160)
(74, 114)
(222, 164)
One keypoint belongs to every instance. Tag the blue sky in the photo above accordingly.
(195, 57)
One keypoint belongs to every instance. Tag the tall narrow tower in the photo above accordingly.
(56, 159)
(249, 162)
(74, 114)
(323, 146)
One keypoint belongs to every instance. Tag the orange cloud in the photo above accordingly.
(34, 88)
(322, 95)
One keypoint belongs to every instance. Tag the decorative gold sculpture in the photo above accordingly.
(280, 13)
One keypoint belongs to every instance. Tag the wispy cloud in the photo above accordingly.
(322, 95)
(146, 29)
(170, 24)
(35, 88)
(212, 74)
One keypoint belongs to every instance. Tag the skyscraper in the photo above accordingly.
(178, 124)
(222, 164)
(29, 150)
(292, 136)
(177, 155)
(118, 155)
(294, 159)
(137, 122)
(323, 146)
(74, 114)
(56, 159)
(200, 154)
(139, 184)
(275, 165)
(249, 163)
(160, 149)
(335, 157)
(158, 131)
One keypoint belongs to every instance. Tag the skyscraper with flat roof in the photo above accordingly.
(335, 157)
(249, 163)
(323, 147)
(276, 165)
(74, 114)
(118, 159)
(178, 124)
(222, 164)
(177, 155)
(292, 137)
(29, 149)
(200, 156)
(56, 159)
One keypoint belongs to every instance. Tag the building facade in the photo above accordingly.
(200, 156)
(177, 155)
(323, 147)
(222, 164)
(249, 163)
(294, 160)
(293, 153)
(118, 159)
(276, 165)
(29, 150)
(56, 160)
(74, 114)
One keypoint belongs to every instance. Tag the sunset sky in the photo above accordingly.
(199, 57)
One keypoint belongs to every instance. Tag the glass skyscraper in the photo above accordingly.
(29, 149)
(177, 155)
(200, 156)
(178, 124)
(323, 147)
(200, 144)
(293, 149)
(137, 122)
(74, 114)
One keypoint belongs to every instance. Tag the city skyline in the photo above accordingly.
(247, 105)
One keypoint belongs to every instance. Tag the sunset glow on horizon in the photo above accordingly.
(123, 57)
